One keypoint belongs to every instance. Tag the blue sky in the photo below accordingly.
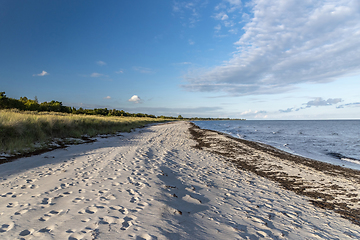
(261, 59)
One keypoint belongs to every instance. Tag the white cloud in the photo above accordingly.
(120, 71)
(43, 73)
(217, 28)
(321, 102)
(182, 63)
(108, 97)
(354, 104)
(188, 11)
(101, 63)
(234, 2)
(135, 99)
(96, 75)
(191, 42)
(221, 16)
(144, 70)
(317, 102)
(254, 114)
(287, 43)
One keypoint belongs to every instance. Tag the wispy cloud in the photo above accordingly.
(43, 73)
(286, 110)
(254, 114)
(144, 70)
(228, 12)
(108, 97)
(135, 99)
(188, 11)
(101, 63)
(321, 102)
(354, 104)
(317, 102)
(120, 71)
(285, 44)
(97, 75)
(191, 42)
(182, 63)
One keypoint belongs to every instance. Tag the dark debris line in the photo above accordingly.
(233, 149)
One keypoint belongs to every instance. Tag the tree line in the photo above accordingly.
(25, 104)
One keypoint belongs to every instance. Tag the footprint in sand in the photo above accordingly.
(20, 212)
(76, 236)
(144, 236)
(6, 227)
(103, 191)
(14, 204)
(7, 194)
(48, 215)
(108, 197)
(127, 222)
(134, 199)
(132, 192)
(26, 232)
(46, 201)
(91, 210)
(121, 209)
(141, 206)
(78, 199)
(110, 220)
(46, 230)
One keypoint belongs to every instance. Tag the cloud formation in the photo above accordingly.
(317, 102)
(96, 74)
(108, 97)
(321, 102)
(189, 11)
(354, 104)
(101, 63)
(254, 114)
(135, 99)
(43, 73)
(144, 70)
(287, 43)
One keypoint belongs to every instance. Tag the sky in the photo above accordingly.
(254, 59)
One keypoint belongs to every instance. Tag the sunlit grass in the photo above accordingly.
(21, 130)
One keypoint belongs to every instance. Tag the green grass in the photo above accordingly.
(21, 131)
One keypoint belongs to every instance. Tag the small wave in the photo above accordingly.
(351, 160)
(240, 136)
(342, 157)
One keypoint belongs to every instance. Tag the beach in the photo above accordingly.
(176, 181)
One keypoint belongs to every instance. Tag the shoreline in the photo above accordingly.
(155, 183)
(293, 172)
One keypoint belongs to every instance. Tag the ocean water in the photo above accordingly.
(332, 141)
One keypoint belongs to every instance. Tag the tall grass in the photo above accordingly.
(21, 130)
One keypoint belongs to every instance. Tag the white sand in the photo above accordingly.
(151, 184)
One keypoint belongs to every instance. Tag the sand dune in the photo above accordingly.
(153, 184)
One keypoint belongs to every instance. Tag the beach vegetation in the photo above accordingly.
(21, 130)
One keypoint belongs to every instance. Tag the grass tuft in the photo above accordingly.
(20, 130)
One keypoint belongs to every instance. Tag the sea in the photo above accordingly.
(332, 141)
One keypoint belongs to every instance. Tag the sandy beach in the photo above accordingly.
(176, 181)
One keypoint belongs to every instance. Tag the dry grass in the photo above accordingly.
(22, 130)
